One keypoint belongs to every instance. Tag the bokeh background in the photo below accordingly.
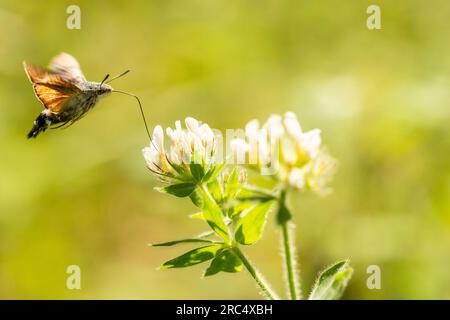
(83, 195)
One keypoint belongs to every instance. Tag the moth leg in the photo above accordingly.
(61, 125)
(74, 120)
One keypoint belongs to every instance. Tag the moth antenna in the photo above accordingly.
(104, 79)
(118, 76)
(140, 106)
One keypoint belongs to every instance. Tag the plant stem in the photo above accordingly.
(263, 285)
(284, 220)
(289, 257)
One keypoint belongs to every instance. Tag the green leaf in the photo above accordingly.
(253, 198)
(213, 172)
(225, 261)
(197, 171)
(215, 190)
(178, 168)
(332, 282)
(193, 257)
(236, 208)
(232, 185)
(179, 190)
(172, 243)
(251, 193)
(213, 215)
(206, 234)
(196, 198)
(197, 215)
(250, 227)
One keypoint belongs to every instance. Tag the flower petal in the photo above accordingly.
(296, 178)
(158, 138)
(192, 125)
(310, 142)
(292, 125)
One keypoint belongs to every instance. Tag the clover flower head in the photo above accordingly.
(190, 149)
(280, 143)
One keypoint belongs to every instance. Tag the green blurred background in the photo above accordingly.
(83, 195)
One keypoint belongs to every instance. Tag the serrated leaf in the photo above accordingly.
(225, 261)
(197, 171)
(192, 257)
(179, 190)
(175, 242)
(332, 282)
(250, 227)
(213, 215)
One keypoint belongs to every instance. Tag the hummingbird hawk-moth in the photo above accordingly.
(65, 93)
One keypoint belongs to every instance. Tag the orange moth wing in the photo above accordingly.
(51, 89)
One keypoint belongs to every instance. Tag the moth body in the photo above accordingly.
(65, 93)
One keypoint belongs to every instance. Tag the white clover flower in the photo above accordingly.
(320, 171)
(292, 125)
(310, 142)
(274, 126)
(281, 143)
(296, 178)
(186, 147)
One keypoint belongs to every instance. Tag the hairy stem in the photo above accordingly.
(289, 256)
(260, 281)
(288, 247)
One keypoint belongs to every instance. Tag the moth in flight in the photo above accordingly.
(65, 93)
